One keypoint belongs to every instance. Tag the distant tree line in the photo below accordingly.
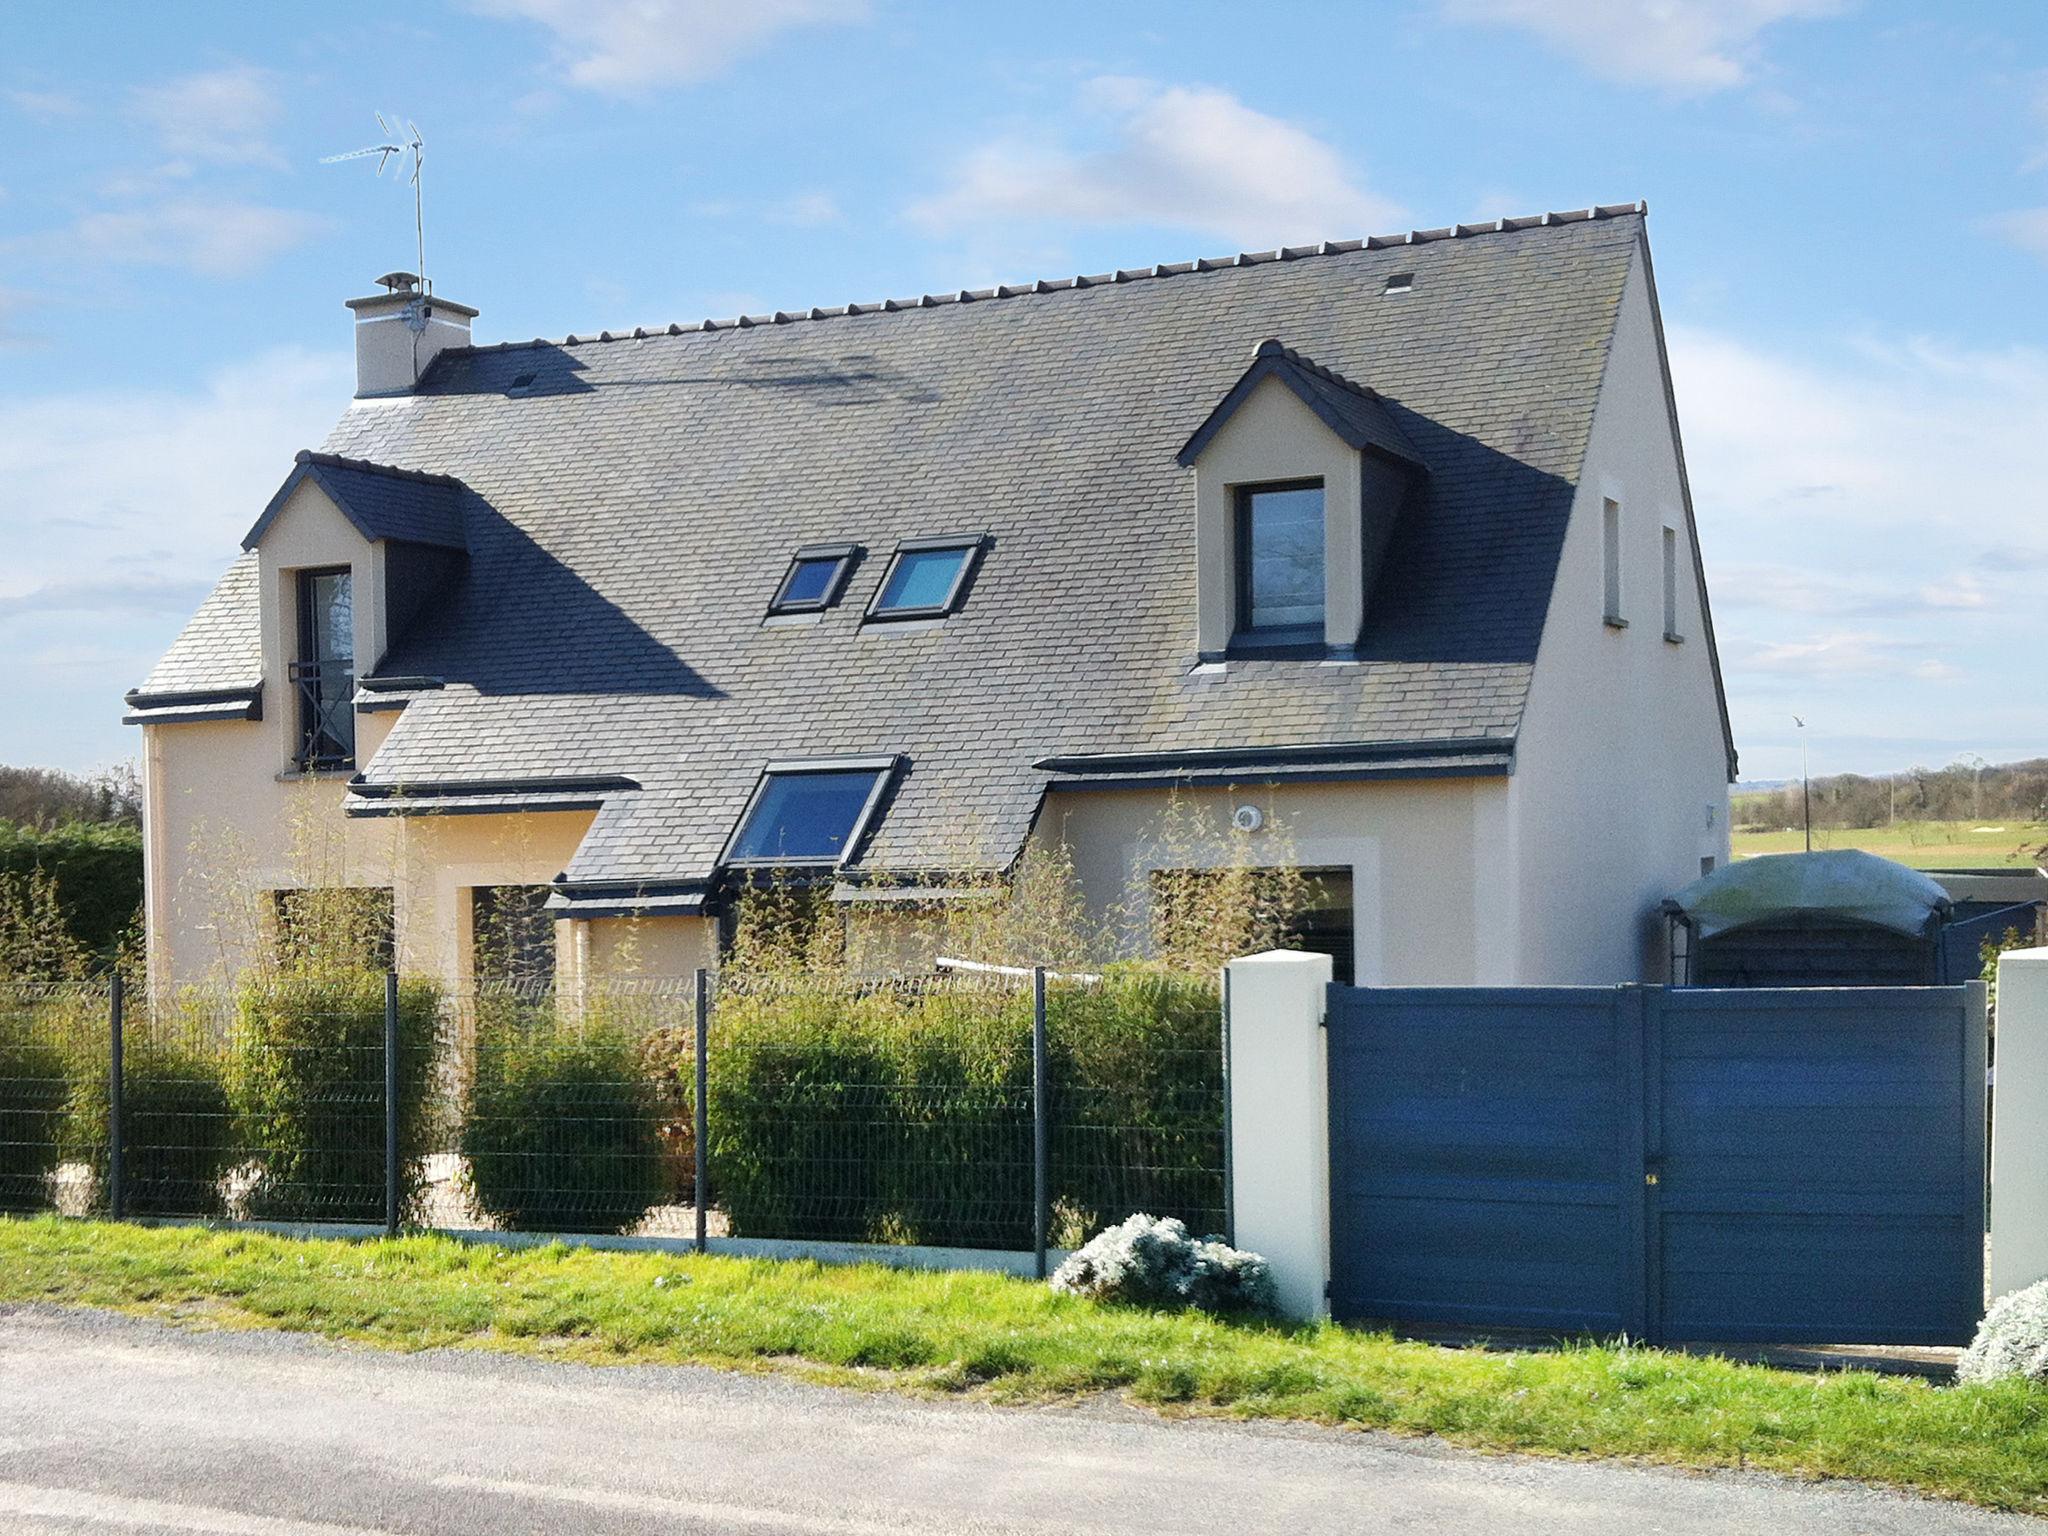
(70, 866)
(2003, 792)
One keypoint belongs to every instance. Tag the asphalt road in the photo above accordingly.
(113, 1425)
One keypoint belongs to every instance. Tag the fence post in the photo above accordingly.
(391, 1103)
(1280, 1121)
(117, 1191)
(2019, 1124)
(700, 1152)
(1041, 1148)
(1229, 1170)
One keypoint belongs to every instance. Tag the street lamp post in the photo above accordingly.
(1805, 785)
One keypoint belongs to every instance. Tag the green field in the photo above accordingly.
(1922, 844)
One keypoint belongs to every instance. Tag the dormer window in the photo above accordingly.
(1280, 585)
(323, 675)
(816, 576)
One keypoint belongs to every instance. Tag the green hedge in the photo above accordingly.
(177, 1127)
(880, 1114)
(563, 1130)
(306, 1081)
(35, 1091)
(97, 867)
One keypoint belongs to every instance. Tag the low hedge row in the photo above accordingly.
(837, 1112)
(904, 1114)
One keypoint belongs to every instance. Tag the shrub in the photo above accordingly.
(564, 1127)
(306, 1080)
(1147, 1262)
(177, 1128)
(847, 1112)
(34, 1090)
(857, 1112)
(2012, 1340)
(94, 870)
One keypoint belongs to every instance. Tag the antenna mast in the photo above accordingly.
(395, 145)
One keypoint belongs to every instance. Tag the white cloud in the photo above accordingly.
(1866, 509)
(1689, 47)
(628, 46)
(46, 105)
(122, 509)
(211, 237)
(2026, 228)
(1180, 157)
(221, 114)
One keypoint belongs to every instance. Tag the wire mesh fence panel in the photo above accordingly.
(1137, 1103)
(568, 1111)
(50, 1073)
(883, 1111)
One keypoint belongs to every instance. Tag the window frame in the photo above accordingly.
(885, 768)
(972, 545)
(1672, 632)
(835, 586)
(1612, 543)
(305, 656)
(1243, 633)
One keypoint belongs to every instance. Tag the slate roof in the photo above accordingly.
(637, 498)
(383, 501)
(1356, 414)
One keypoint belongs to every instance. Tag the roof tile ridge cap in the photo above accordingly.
(1202, 265)
(372, 466)
(1272, 346)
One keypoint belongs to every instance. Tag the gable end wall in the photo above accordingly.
(1621, 769)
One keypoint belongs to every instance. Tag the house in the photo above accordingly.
(1383, 547)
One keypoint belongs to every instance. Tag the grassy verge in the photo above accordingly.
(1015, 1341)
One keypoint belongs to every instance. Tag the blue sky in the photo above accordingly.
(1849, 209)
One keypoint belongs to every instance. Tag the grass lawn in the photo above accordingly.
(1012, 1340)
(1922, 844)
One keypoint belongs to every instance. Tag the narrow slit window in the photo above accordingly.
(1610, 561)
(1671, 629)
(810, 813)
(815, 578)
(927, 578)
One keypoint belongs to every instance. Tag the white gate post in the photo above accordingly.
(1280, 1122)
(2019, 1124)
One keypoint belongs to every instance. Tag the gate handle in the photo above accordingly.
(1653, 1173)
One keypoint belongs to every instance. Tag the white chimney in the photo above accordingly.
(400, 331)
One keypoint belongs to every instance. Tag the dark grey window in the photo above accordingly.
(1324, 925)
(323, 675)
(512, 934)
(1280, 562)
(810, 812)
(815, 578)
(926, 579)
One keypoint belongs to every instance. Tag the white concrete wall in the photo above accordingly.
(1280, 1122)
(1431, 902)
(2019, 1124)
(1621, 784)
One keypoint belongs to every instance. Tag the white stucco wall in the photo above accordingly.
(1274, 436)
(1429, 900)
(1621, 783)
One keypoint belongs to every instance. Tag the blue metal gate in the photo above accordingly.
(1675, 1164)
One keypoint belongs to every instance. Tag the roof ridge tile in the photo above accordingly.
(1286, 253)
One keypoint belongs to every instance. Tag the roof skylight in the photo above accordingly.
(810, 812)
(927, 578)
(816, 576)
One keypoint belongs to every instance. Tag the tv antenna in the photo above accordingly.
(397, 146)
